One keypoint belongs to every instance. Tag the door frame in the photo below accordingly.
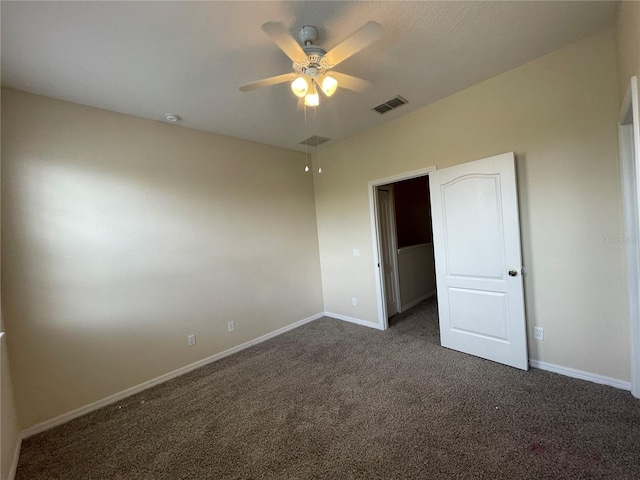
(383, 321)
(391, 224)
(629, 138)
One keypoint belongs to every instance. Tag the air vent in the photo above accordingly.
(384, 108)
(395, 102)
(314, 141)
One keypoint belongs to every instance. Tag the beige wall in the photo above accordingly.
(627, 43)
(121, 236)
(559, 114)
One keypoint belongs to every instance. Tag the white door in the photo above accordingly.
(388, 246)
(476, 239)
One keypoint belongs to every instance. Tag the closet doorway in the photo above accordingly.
(401, 229)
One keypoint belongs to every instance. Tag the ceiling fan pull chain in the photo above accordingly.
(306, 144)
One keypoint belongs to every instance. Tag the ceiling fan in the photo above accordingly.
(312, 65)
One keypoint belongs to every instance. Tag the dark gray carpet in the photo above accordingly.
(333, 400)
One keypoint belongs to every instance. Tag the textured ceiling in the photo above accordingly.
(149, 58)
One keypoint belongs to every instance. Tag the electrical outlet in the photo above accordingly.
(354, 301)
(231, 326)
(191, 340)
(538, 333)
(356, 252)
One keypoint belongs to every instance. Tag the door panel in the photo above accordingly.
(465, 304)
(484, 256)
(476, 238)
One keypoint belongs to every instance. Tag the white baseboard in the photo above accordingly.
(65, 417)
(15, 458)
(591, 377)
(417, 301)
(357, 321)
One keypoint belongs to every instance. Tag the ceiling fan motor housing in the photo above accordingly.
(315, 59)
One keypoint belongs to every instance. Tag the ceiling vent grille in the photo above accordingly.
(389, 105)
(314, 141)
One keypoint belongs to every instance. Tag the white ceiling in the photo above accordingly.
(149, 58)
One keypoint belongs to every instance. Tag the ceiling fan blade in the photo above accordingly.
(267, 82)
(350, 82)
(285, 41)
(362, 38)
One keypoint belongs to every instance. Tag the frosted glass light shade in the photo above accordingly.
(312, 99)
(299, 87)
(329, 86)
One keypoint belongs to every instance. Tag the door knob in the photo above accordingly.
(513, 273)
